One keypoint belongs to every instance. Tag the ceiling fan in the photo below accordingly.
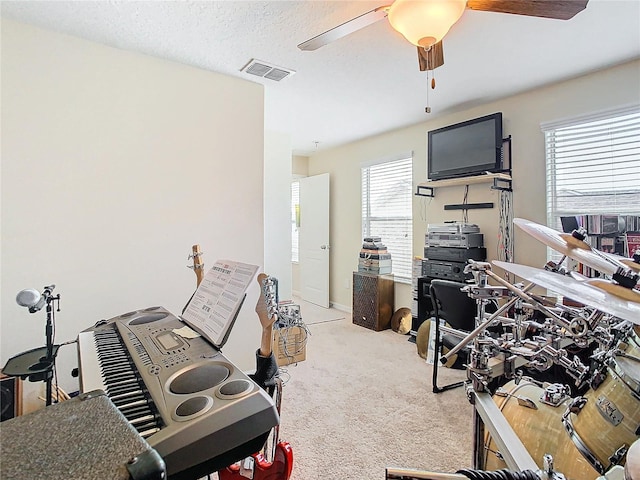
(425, 22)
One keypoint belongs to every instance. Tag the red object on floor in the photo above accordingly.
(279, 469)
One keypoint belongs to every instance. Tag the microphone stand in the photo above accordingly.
(38, 364)
(49, 359)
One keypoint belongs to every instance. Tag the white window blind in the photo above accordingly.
(295, 211)
(387, 192)
(593, 165)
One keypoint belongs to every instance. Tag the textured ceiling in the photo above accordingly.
(365, 83)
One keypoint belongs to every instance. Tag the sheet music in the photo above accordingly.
(218, 298)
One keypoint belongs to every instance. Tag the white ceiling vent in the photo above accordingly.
(266, 70)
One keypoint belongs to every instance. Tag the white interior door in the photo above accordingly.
(314, 239)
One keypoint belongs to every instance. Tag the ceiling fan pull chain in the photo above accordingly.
(427, 108)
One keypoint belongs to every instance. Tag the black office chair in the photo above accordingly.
(457, 309)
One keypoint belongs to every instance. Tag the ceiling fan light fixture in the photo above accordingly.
(425, 22)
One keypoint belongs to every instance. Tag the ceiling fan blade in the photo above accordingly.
(431, 58)
(559, 9)
(346, 28)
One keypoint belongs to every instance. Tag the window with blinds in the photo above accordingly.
(593, 165)
(387, 192)
(295, 220)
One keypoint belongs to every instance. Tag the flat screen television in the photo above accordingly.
(467, 148)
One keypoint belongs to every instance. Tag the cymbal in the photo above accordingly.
(600, 294)
(578, 276)
(628, 262)
(572, 247)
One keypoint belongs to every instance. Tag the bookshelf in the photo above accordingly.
(612, 233)
(609, 233)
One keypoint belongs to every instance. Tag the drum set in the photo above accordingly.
(555, 383)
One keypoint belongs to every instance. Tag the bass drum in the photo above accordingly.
(607, 420)
(540, 430)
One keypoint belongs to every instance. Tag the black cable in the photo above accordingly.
(503, 474)
(505, 236)
(465, 212)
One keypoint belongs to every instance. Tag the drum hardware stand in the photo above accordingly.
(574, 367)
(538, 352)
(557, 319)
(556, 267)
(481, 291)
(555, 394)
(523, 295)
(481, 288)
(599, 362)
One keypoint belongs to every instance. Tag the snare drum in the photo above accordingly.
(540, 430)
(607, 419)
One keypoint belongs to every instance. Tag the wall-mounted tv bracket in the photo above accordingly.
(420, 193)
(502, 184)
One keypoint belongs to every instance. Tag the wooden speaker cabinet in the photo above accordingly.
(373, 299)
(10, 397)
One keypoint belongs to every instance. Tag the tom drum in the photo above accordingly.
(605, 422)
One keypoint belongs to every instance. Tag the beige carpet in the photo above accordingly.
(362, 401)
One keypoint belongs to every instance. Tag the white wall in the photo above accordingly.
(277, 208)
(522, 115)
(113, 165)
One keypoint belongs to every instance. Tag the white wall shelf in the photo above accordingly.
(501, 181)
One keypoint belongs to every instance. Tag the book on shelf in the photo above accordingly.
(632, 244)
(607, 244)
(632, 223)
(602, 224)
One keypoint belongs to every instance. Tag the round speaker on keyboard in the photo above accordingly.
(234, 389)
(148, 318)
(198, 378)
(193, 407)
